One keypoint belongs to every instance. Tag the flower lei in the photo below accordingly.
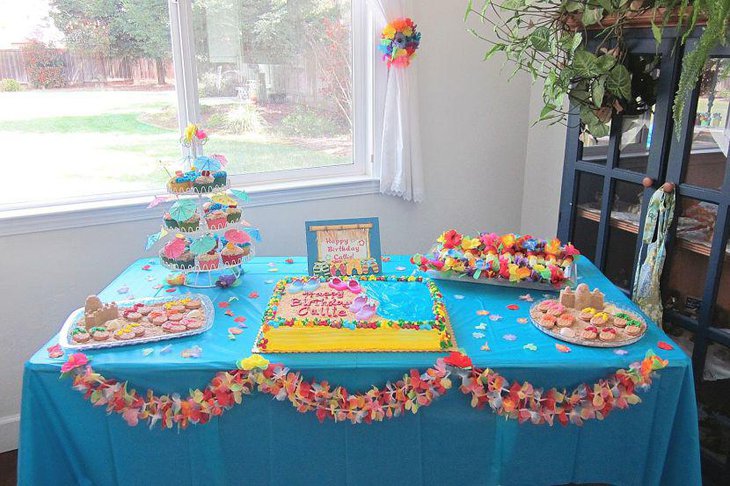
(415, 390)
(399, 42)
(509, 257)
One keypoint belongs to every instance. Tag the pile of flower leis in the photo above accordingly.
(399, 42)
(415, 390)
(524, 402)
(508, 257)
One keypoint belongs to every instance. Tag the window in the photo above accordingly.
(93, 94)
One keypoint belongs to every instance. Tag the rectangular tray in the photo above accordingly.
(65, 343)
(571, 281)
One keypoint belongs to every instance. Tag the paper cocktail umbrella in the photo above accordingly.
(207, 163)
(242, 195)
(183, 209)
(224, 199)
(175, 248)
(220, 158)
(202, 245)
(237, 236)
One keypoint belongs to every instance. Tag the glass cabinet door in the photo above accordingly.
(696, 279)
(605, 175)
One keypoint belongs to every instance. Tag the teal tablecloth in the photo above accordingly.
(64, 440)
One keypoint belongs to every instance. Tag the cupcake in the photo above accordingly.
(548, 321)
(232, 255)
(590, 333)
(180, 184)
(203, 183)
(190, 224)
(233, 215)
(216, 220)
(169, 221)
(607, 334)
(185, 261)
(633, 328)
(208, 262)
(587, 313)
(566, 320)
(600, 319)
(219, 178)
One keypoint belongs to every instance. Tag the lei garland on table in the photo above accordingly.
(519, 401)
(507, 257)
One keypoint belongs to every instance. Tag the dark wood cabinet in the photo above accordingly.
(603, 207)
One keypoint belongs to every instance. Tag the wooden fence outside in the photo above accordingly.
(82, 69)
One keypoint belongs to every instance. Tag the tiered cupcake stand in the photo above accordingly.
(198, 276)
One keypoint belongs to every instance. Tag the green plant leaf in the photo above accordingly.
(606, 62)
(599, 129)
(591, 16)
(495, 48)
(469, 8)
(584, 64)
(513, 4)
(572, 6)
(547, 111)
(577, 40)
(607, 5)
(598, 91)
(618, 82)
(540, 39)
(657, 32)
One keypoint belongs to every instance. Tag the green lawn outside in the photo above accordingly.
(89, 142)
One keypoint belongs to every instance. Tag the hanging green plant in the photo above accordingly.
(545, 38)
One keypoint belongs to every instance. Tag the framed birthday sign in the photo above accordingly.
(343, 247)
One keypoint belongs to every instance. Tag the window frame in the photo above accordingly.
(183, 49)
(266, 188)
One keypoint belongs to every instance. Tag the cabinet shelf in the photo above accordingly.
(699, 247)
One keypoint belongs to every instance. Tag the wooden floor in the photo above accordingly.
(8, 468)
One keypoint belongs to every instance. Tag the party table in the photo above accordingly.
(66, 440)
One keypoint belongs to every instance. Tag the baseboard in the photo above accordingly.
(9, 430)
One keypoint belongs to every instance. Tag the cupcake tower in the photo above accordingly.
(207, 231)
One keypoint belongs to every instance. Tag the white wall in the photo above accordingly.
(543, 173)
(474, 132)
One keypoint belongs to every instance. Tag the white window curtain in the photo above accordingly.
(397, 142)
